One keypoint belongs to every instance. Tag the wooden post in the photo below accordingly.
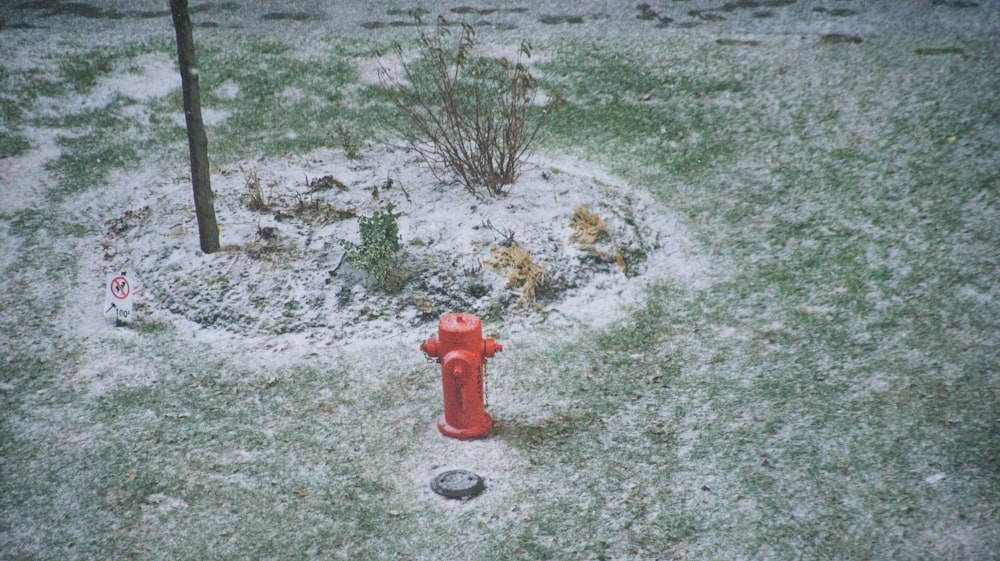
(204, 200)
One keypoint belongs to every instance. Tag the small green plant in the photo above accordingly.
(473, 117)
(379, 254)
(348, 140)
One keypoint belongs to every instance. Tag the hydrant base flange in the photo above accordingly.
(467, 432)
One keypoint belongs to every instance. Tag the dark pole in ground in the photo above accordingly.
(204, 204)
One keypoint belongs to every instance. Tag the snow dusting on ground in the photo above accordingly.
(283, 270)
(271, 389)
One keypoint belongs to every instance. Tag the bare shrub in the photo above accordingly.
(470, 116)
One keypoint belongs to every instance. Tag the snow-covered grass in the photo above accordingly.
(801, 362)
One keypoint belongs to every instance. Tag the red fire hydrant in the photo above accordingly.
(462, 353)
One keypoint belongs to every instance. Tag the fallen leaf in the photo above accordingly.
(620, 261)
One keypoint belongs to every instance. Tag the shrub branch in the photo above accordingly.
(472, 118)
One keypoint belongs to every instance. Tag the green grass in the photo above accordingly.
(103, 141)
(284, 105)
(83, 70)
(841, 350)
(12, 142)
(93, 141)
(612, 95)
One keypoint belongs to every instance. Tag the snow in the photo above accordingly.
(227, 90)
(297, 281)
(934, 478)
(210, 117)
(25, 177)
(156, 77)
(298, 299)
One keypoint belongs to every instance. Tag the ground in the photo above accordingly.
(795, 356)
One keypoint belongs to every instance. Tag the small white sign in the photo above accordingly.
(118, 296)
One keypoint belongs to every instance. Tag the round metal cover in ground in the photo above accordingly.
(457, 484)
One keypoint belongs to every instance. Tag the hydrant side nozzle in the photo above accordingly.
(430, 347)
(491, 347)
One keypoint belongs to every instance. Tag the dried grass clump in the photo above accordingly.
(257, 201)
(521, 270)
(587, 226)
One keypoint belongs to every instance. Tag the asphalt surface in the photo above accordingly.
(938, 20)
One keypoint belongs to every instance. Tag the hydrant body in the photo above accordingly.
(462, 353)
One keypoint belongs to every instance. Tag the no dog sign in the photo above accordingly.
(118, 296)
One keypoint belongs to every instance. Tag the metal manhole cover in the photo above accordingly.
(458, 484)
